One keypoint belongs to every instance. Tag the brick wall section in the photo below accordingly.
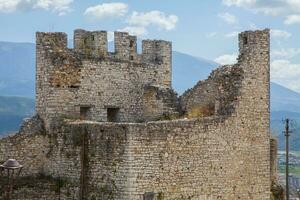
(225, 156)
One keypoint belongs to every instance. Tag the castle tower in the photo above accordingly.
(254, 103)
(45, 43)
(88, 82)
(254, 47)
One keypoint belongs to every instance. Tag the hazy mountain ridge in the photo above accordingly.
(12, 112)
(17, 69)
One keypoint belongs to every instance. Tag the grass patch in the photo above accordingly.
(201, 111)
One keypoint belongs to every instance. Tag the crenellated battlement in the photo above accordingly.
(94, 45)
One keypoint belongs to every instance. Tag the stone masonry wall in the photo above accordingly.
(88, 76)
(160, 103)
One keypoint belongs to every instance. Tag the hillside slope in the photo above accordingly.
(17, 69)
(12, 112)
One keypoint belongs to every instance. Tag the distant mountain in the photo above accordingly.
(283, 99)
(285, 103)
(278, 125)
(188, 70)
(17, 69)
(12, 112)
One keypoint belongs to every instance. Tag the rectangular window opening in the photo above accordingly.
(74, 86)
(131, 44)
(149, 196)
(113, 114)
(245, 40)
(84, 112)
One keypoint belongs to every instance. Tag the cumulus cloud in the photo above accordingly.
(280, 34)
(155, 18)
(107, 10)
(226, 59)
(134, 30)
(59, 6)
(286, 73)
(292, 19)
(285, 53)
(228, 18)
(267, 7)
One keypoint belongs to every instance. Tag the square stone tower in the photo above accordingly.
(88, 82)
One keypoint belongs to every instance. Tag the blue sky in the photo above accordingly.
(206, 28)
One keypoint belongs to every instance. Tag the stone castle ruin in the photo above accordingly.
(110, 126)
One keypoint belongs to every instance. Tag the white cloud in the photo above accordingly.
(232, 34)
(107, 10)
(285, 53)
(228, 18)
(292, 19)
(134, 30)
(286, 73)
(155, 18)
(280, 34)
(59, 6)
(267, 7)
(226, 59)
(8, 5)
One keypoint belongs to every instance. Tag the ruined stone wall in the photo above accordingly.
(216, 95)
(89, 76)
(222, 90)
